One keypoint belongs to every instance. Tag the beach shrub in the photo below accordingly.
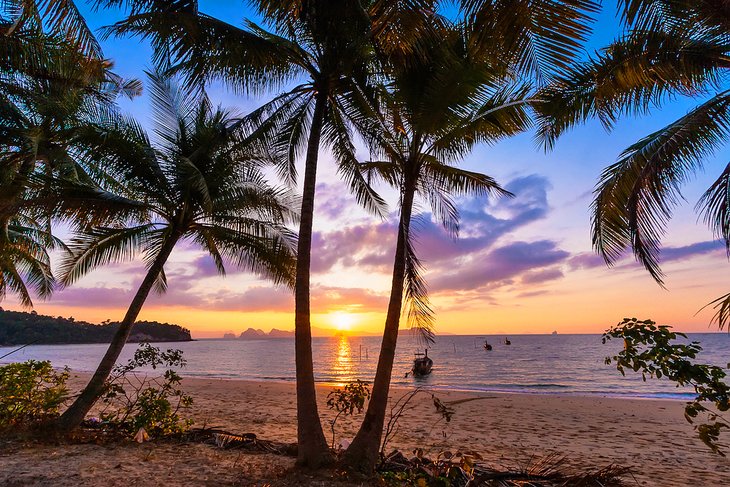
(405, 403)
(346, 400)
(135, 400)
(30, 392)
(652, 351)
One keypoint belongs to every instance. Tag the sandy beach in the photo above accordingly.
(508, 430)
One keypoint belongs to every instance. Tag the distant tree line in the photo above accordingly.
(18, 328)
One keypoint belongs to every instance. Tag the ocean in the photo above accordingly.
(540, 364)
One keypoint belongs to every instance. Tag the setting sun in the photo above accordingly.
(342, 321)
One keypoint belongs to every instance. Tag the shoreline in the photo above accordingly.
(436, 388)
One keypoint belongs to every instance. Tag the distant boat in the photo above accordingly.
(507, 342)
(421, 364)
(555, 333)
(487, 346)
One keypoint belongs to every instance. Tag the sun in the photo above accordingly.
(341, 321)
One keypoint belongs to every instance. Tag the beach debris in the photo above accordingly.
(223, 440)
(141, 436)
(246, 441)
(462, 468)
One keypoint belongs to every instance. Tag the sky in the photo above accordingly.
(520, 265)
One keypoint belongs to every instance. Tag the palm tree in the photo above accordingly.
(54, 85)
(200, 182)
(434, 111)
(43, 119)
(669, 48)
(328, 46)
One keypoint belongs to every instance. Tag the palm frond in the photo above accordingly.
(419, 311)
(100, 246)
(11, 280)
(59, 17)
(202, 47)
(714, 205)
(460, 181)
(172, 106)
(160, 284)
(635, 196)
(722, 310)
(338, 136)
(269, 255)
(539, 37)
(637, 72)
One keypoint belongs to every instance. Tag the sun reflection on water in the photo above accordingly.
(342, 365)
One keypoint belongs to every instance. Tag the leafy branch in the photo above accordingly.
(649, 349)
(346, 401)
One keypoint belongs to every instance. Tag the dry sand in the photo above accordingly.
(508, 430)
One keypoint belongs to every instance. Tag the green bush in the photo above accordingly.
(30, 392)
(134, 400)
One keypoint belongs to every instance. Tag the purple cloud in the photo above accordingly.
(501, 266)
(96, 297)
(372, 246)
(699, 248)
(544, 275)
(590, 260)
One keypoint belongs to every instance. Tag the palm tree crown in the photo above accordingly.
(199, 181)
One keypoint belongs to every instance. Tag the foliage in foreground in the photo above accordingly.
(30, 393)
(346, 400)
(649, 349)
(134, 401)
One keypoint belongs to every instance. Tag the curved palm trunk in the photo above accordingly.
(313, 450)
(76, 413)
(363, 453)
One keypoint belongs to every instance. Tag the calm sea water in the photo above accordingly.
(564, 364)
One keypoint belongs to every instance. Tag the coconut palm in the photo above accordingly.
(200, 182)
(431, 115)
(670, 48)
(54, 85)
(322, 47)
(43, 121)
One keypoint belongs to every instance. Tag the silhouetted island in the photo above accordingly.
(258, 334)
(20, 328)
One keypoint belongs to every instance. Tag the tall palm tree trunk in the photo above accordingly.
(313, 450)
(76, 413)
(362, 454)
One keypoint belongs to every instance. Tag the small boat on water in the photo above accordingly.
(421, 364)
(487, 346)
(507, 342)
